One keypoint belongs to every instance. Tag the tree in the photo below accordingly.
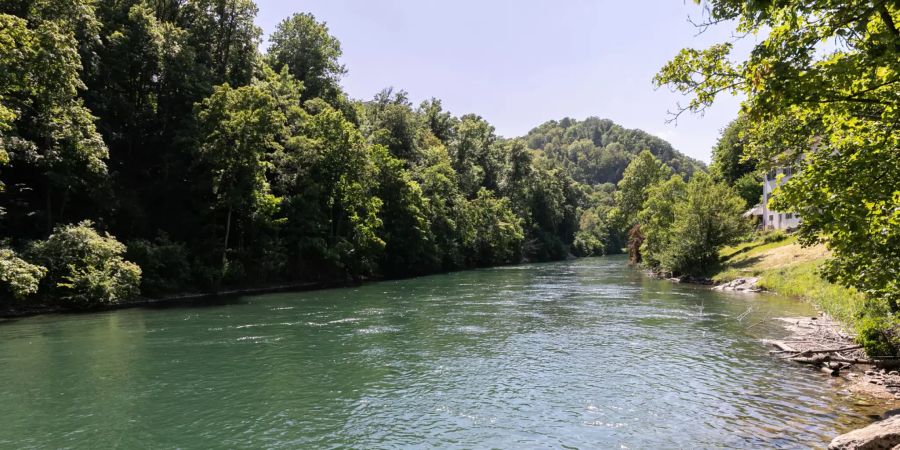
(239, 128)
(409, 244)
(473, 154)
(643, 172)
(393, 124)
(328, 179)
(657, 219)
(223, 38)
(839, 107)
(596, 151)
(685, 225)
(305, 47)
(492, 232)
(445, 205)
(729, 162)
(45, 128)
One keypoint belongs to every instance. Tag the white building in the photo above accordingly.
(772, 219)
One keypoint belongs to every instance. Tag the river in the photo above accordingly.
(577, 354)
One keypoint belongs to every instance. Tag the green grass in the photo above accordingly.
(747, 249)
(800, 280)
(787, 269)
(803, 281)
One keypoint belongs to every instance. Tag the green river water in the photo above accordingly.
(577, 354)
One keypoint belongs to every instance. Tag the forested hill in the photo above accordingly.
(596, 151)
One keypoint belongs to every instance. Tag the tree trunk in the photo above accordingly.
(225, 247)
(49, 207)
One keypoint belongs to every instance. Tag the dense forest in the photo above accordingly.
(149, 147)
(596, 151)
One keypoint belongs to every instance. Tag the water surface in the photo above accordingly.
(579, 354)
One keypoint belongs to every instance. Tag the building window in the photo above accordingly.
(790, 215)
(787, 171)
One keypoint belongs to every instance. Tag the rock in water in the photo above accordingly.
(740, 285)
(880, 435)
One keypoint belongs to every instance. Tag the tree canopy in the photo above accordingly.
(823, 91)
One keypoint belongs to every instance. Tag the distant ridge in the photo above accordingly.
(596, 151)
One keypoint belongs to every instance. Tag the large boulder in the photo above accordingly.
(883, 435)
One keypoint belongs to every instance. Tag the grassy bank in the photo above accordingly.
(786, 268)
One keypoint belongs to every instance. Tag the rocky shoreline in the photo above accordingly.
(821, 342)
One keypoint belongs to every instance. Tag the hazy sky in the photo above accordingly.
(521, 63)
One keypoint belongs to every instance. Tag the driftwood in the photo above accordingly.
(827, 358)
(815, 351)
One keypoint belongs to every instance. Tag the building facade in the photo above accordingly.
(771, 219)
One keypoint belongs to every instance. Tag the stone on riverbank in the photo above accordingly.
(880, 435)
(740, 285)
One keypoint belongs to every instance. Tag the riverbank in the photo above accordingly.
(13, 311)
(784, 267)
(836, 341)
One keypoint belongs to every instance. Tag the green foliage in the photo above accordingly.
(657, 221)
(19, 278)
(878, 334)
(774, 236)
(685, 225)
(221, 166)
(749, 188)
(836, 111)
(165, 265)
(85, 268)
(592, 238)
(633, 190)
(45, 129)
(596, 151)
(492, 233)
(304, 46)
(729, 162)
(409, 243)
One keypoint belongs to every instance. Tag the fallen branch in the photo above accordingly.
(817, 360)
(823, 350)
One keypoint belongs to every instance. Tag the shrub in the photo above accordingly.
(878, 335)
(84, 268)
(164, 265)
(774, 236)
(19, 277)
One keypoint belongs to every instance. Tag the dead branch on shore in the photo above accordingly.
(815, 351)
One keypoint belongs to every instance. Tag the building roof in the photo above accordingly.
(754, 211)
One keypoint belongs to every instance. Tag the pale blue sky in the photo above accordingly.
(521, 63)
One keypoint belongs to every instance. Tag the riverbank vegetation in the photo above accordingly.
(822, 87)
(149, 146)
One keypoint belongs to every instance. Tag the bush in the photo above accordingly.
(878, 335)
(164, 265)
(19, 278)
(84, 268)
(774, 236)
